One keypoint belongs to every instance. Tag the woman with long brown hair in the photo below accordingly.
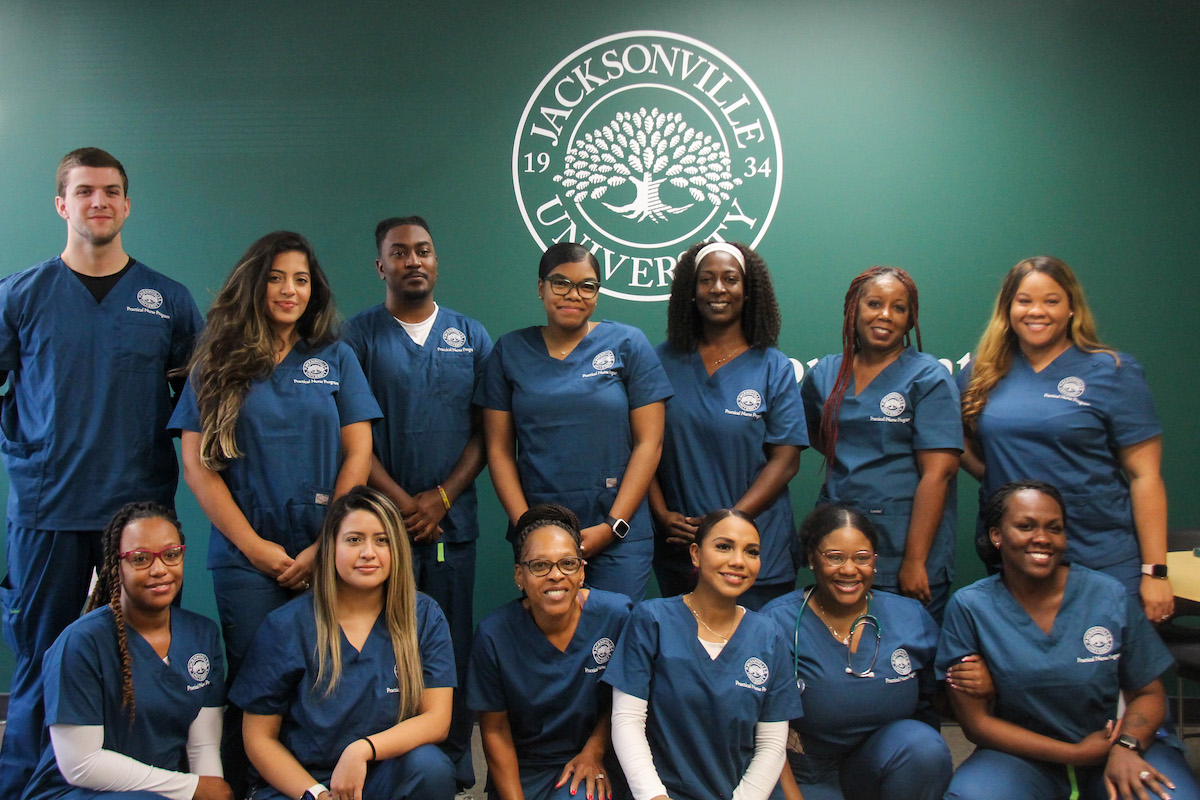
(1043, 398)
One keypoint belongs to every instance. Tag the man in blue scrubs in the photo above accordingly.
(86, 342)
(423, 362)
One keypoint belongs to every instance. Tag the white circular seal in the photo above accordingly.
(602, 650)
(757, 671)
(642, 143)
(901, 663)
(315, 368)
(1098, 640)
(604, 361)
(454, 337)
(198, 666)
(749, 400)
(1071, 387)
(892, 404)
(149, 298)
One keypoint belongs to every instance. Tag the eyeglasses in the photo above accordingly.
(836, 558)
(541, 567)
(563, 286)
(142, 559)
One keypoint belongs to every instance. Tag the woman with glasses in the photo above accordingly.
(134, 689)
(535, 671)
(1063, 645)
(885, 416)
(864, 663)
(702, 687)
(348, 689)
(733, 384)
(573, 415)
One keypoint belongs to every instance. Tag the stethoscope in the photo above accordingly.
(862, 619)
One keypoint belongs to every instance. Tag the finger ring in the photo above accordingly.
(600, 776)
(1144, 774)
(1165, 617)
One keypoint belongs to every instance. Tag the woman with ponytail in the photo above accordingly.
(347, 689)
(134, 688)
(885, 416)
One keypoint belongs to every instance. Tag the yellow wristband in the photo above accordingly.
(445, 498)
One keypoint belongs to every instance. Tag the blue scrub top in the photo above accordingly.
(425, 392)
(702, 712)
(1066, 425)
(553, 698)
(84, 419)
(572, 416)
(290, 434)
(82, 683)
(840, 710)
(279, 675)
(716, 432)
(911, 405)
(1064, 684)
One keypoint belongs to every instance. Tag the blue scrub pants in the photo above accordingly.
(43, 593)
(244, 598)
(423, 773)
(1129, 573)
(992, 775)
(902, 760)
(624, 567)
(538, 784)
(446, 572)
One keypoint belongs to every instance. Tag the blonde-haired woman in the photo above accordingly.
(347, 689)
(1045, 399)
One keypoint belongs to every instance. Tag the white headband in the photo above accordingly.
(721, 247)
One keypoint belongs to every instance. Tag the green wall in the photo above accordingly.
(950, 137)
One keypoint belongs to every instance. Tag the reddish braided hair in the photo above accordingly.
(107, 590)
(850, 345)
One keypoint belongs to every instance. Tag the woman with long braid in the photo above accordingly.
(885, 416)
(134, 688)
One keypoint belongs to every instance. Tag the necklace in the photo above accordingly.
(724, 639)
(824, 615)
(738, 349)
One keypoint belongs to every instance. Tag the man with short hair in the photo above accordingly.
(423, 362)
(86, 343)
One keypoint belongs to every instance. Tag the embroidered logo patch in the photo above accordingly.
(1071, 387)
(149, 298)
(198, 667)
(892, 404)
(757, 671)
(315, 368)
(602, 650)
(604, 361)
(1098, 640)
(749, 400)
(901, 662)
(454, 337)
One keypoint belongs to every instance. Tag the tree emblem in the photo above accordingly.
(635, 147)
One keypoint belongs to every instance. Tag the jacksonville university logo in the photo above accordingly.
(639, 145)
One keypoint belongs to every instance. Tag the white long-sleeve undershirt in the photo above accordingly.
(633, 750)
(83, 761)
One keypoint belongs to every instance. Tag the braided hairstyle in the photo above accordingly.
(760, 310)
(997, 506)
(107, 590)
(850, 345)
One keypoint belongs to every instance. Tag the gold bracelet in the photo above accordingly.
(445, 498)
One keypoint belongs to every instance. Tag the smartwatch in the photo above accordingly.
(620, 527)
(1155, 570)
(314, 791)
(1129, 742)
